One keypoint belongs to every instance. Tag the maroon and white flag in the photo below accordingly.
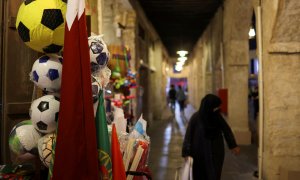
(76, 154)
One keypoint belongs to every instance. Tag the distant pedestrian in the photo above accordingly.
(203, 140)
(254, 97)
(181, 98)
(172, 96)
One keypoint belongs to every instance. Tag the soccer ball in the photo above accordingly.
(44, 113)
(45, 147)
(95, 89)
(99, 54)
(23, 138)
(46, 72)
(40, 24)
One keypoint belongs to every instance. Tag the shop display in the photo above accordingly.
(137, 149)
(40, 24)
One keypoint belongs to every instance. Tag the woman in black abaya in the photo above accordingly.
(204, 140)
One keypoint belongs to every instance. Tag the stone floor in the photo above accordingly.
(165, 154)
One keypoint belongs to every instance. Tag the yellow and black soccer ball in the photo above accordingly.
(41, 24)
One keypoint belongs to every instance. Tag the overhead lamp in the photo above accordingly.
(180, 63)
(178, 68)
(182, 59)
(251, 33)
(182, 53)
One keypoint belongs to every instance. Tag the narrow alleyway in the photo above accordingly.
(165, 155)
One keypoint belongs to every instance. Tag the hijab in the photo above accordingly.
(208, 114)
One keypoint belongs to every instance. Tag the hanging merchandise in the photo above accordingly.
(96, 87)
(118, 63)
(123, 79)
(44, 113)
(46, 72)
(99, 54)
(40, 24)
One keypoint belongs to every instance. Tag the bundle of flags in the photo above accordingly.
(82, 149)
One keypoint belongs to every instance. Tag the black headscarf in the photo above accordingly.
(208, 116)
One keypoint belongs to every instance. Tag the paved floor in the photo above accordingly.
(165, 154)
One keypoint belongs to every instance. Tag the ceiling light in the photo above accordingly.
(182, 53)
(182, 59)
(178, 68)
(180, 63)
(251, 33)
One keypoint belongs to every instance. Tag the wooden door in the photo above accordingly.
(16, 63)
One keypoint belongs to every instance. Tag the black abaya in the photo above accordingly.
(204, 140)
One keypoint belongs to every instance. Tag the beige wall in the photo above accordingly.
(281, 95)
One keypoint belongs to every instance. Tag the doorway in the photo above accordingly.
(253, 82)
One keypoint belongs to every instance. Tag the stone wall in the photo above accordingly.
(157, 81)
(236, 23)
(225, 43)
(203, 61)
(281, 96)
(152, 76)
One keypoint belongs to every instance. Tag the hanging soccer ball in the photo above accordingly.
(45, 148)
(46, 72)
(44, 113)
(95, 89)
(40, 24)
(99, 54)
(23, 138)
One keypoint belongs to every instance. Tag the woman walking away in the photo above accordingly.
(203, 140)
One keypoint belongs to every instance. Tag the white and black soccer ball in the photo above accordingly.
(95, 89)
(44, 113)
(23, 138)
(46, 72)
(45, 147)
(99, 54)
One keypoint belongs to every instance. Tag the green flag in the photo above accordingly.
(103, 143)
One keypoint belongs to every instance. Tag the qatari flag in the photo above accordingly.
(76, 154)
